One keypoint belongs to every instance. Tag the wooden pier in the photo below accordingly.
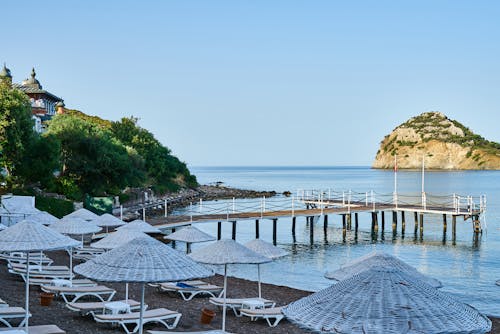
(318, 205)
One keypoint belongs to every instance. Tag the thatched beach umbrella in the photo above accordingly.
(116, 239)
(107, 220)
(189, 235)
(265, 249)
(385, 300)
(378, 259)
(224, 252)
(83, 214)
(142, 260)
(44, 218)
(74, 226)
(139, 225)
(27, 236)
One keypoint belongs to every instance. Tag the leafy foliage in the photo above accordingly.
(16, 128)
(90, 157)
(165, 171)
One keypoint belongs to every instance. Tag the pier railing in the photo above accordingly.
(346, 201)
(452, 203)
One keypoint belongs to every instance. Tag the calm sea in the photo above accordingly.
(467, 269)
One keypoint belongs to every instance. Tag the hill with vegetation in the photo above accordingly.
(444, 143)
(81, 154)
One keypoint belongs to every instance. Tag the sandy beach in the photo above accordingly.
(72, 322)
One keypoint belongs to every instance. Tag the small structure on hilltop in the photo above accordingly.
(44, 104)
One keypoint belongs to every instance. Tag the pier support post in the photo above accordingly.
(325, 222)
(173, 241)
(477, 224)
(234, 230)
(445, 224)
(454, 228)
(311, 230)
(416, 222)
(349, 221)
(257, 234)
(294, 221)
(344, 227)
(382, 213)
(376, 222)
(421, 225)
(403, 223)
(219, 230)
(356, 223)
(394, 223)
(275, 223)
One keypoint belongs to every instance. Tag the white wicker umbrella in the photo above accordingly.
(83, 214)
(107, 220)
(2, 227)
(44, 218)
(379, 259)
(189, 235)
(140, 225)
(385, 300)
(27, 236)
(74, 226)
(265, 249)
(116, 239)
(142, 260)
(224, 252)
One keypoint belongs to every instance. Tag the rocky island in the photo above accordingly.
(444, 143)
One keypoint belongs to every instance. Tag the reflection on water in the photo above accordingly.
(468, 267)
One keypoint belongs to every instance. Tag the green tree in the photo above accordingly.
(92, 159)
(165, 171)
(40, 161)
(16, 128)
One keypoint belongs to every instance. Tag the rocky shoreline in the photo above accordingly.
(182, 198)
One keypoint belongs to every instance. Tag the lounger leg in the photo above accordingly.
(124, 326)
(275, 322)
(6, 323)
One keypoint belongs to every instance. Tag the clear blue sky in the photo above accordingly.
(264, 82)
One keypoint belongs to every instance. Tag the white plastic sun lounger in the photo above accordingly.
(160, 315)
(37, 267)
(193, 282)
(50, 281)
(20, 257)
(101, 292)
(3, 303)
(236, 304)
(42, 329)
(99, 307)
(188, 291)
(52, 274)
(9, 313)
(202, 332)
(272, 315)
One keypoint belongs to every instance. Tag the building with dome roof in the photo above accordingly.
(43, 103)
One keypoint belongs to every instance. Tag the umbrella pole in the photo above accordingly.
(126, 292)
(41, 260)
(260, 288)
(71, 266)
(27, 291)
(188, 248)
(224, 305)
(142, 309)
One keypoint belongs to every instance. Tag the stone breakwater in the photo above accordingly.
(184, 197)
